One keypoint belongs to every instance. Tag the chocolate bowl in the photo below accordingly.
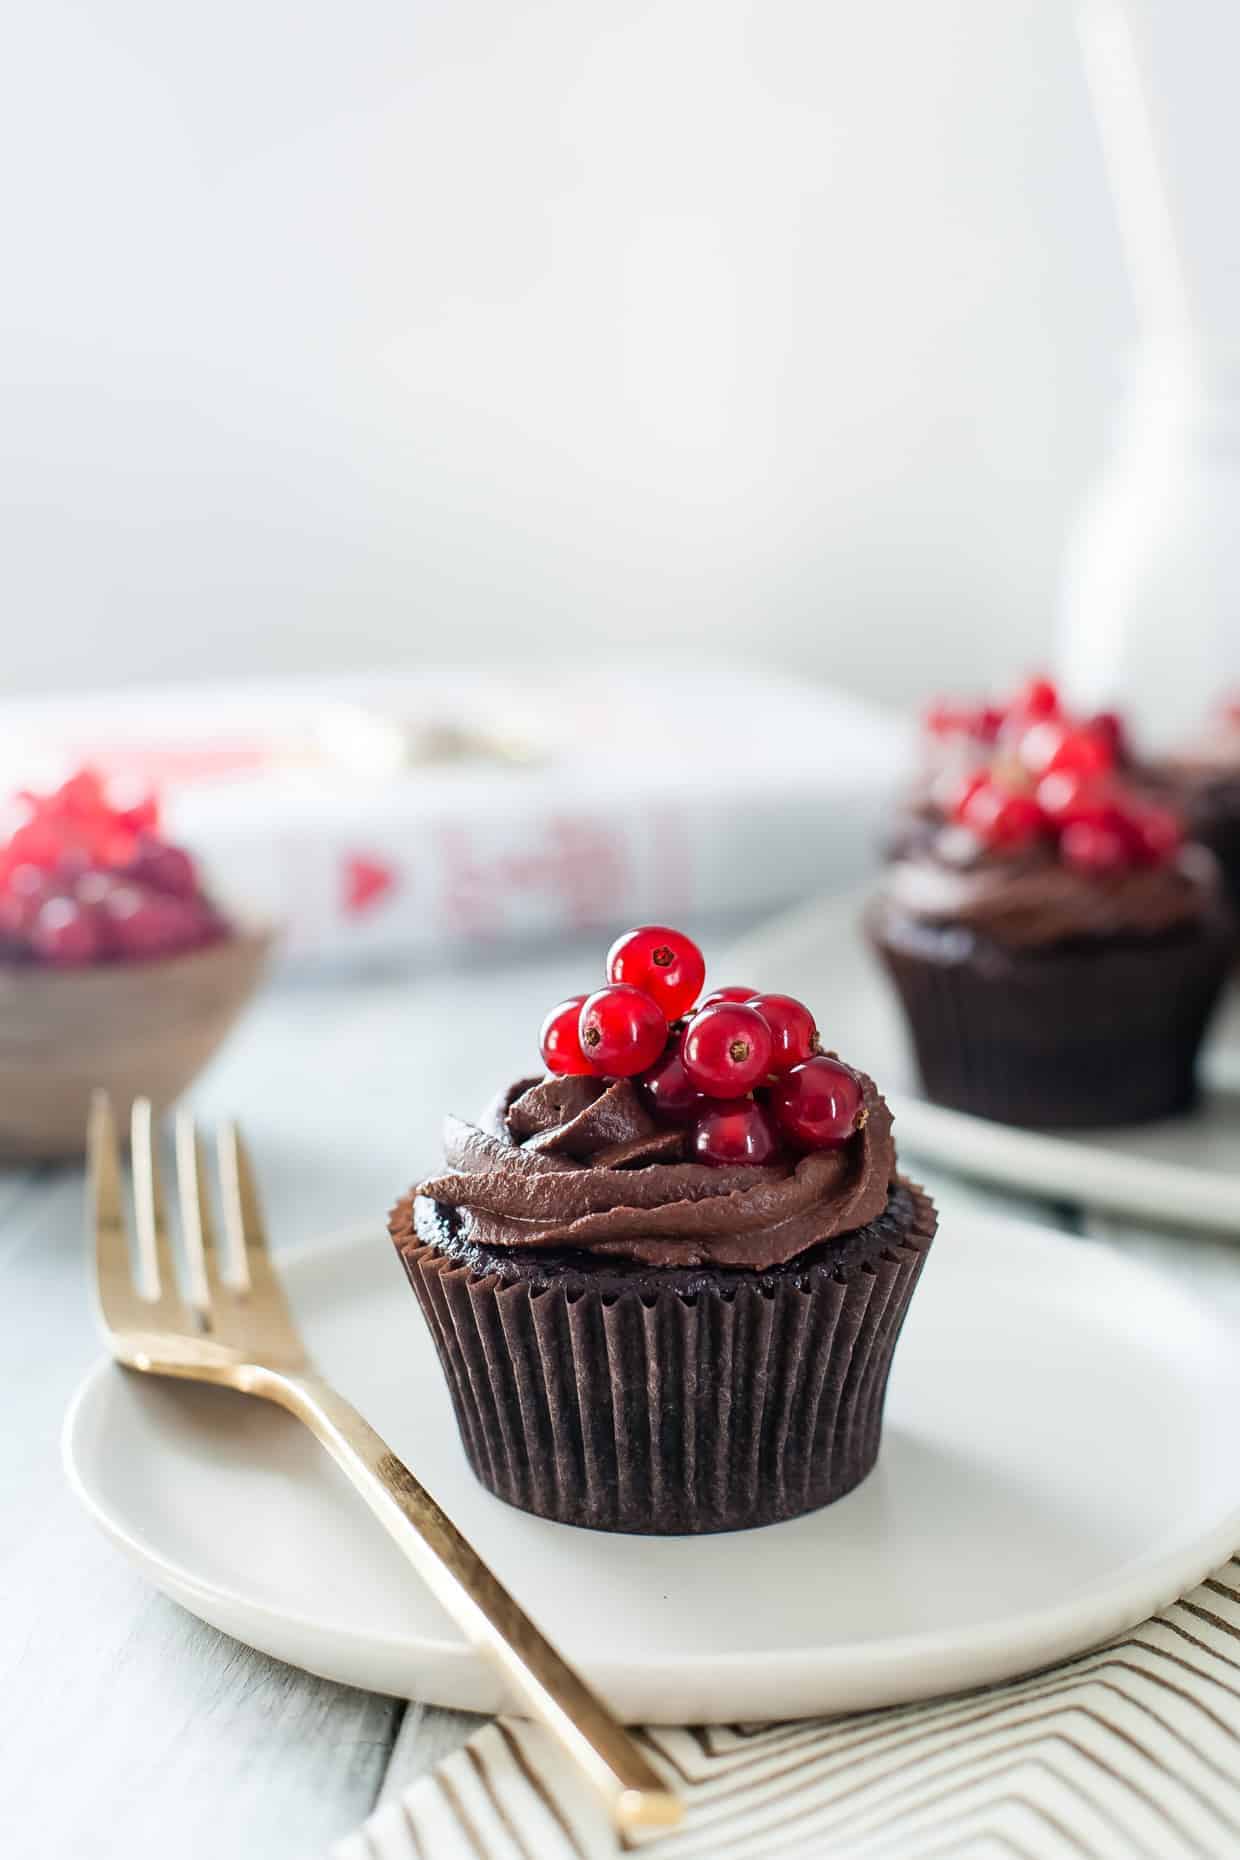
(134, 1028)
(628, 1371)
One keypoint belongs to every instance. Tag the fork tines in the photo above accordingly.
(231, 1290)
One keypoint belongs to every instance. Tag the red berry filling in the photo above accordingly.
(85, 880)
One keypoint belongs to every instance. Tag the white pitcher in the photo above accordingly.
(1151, 608)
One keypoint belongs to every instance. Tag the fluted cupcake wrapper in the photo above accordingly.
(1214, 819)
(659, 1412)
(1059, 1037)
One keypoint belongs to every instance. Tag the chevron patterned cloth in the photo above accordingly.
(1131, 1752)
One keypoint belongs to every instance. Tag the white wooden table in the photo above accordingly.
(127, 1727)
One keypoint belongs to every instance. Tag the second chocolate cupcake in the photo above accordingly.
(1056, 943)
(1203, 781)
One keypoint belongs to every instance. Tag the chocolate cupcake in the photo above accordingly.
(1057, 944)
(1203, 782)
(641, 1329)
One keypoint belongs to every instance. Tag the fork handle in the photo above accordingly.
(481, 1607)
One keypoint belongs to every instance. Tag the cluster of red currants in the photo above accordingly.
(744, 1073)
(83, 880)
(1036, 774)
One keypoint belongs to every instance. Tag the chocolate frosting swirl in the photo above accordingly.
(1032, 899)
(580, 1163)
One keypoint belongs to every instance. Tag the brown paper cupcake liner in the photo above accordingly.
(1070, 1037)
(752, 1399)
(1214, 818)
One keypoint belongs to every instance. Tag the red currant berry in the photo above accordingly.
(1081, 752)
(669, 1091)
(1002, 818)
(663, 963)
(727, 1049)
(729, 994)
(140, 816)
(792, 1028)
(138, 923)
(1037, 698)
(818, 1105)
(559, 1041)
(1156, 833)
(1065, 798)
(622, 1030)
(1108, 727)
(1036, 744)
(115, 849)
(79, 798)
(35, 843)
(988, 722)
(26, 891)
(961, 791)
(164, 868)
(1094, 848)
(942, 719)
(64, 934)
(734, 1131)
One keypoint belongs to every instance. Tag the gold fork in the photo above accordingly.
(235, 1328)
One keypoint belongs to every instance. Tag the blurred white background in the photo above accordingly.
(421, 328)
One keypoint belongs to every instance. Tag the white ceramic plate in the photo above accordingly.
(1184, 1172)
(1058, 1461)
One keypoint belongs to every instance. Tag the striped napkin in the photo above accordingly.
(1130, 1751)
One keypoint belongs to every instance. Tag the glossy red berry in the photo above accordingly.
(669, 1091)
(734, 1131)
(64, 934)
(559, 1041)
(1001, 817)
(663, 963)
(27, 889)
(1037, 698)
(140, 816)
(1094, 848)
(1081, 752)
(164, 868)
(727, 1049)
(1066, 798)
(793, 1033)
(622, 1030)
(819, 1105)
(79, 798)
(959, 790)
(942, 719)
(35, 843)
(729, 994)
(1156, 833)
(137, 924)
(1035, 744)
(1108, 727)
